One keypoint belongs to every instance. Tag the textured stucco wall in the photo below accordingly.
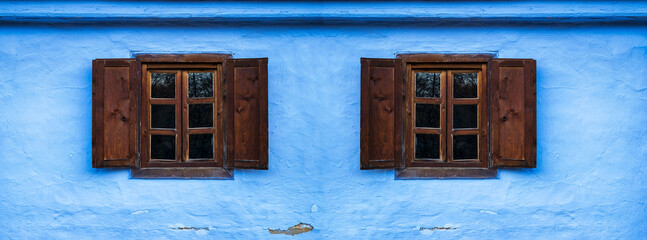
(590, 182)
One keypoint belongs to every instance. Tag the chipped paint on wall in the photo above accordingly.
(294, 230)
(197, 230)
(430, 230)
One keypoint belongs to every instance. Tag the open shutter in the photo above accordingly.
(381, 108)
(246, 113)
(513, 101)
(114, 112)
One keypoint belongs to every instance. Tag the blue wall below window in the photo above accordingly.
(590, 180)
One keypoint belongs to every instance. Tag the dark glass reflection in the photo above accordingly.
(162, 147)
(428, 85)
(200, 146)
(465, 116)
(427, 146)
(465, 146)
(200, 85)
(162, 116)
(465, 85)
(200, 115)
(162, 85)
(428, 115)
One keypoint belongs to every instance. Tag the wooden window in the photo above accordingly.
(187, 127)
(180, 124)
(448, 116)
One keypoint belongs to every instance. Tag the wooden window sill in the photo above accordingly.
(182, 173)
(412, 173)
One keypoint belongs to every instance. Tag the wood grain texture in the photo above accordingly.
(183, 58)
(381, 108)
(446, 58)
(114, 112)
(247, 136)
(183, 173)
(514, 127)
(445, 173)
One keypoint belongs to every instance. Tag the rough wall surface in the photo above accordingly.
(590, 183)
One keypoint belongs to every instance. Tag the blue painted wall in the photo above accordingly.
(590, 182)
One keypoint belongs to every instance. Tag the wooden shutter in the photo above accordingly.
(114, 112)
(381, 108)
(246, 99)
(514, 121)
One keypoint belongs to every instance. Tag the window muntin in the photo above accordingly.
(180, 109)
(448, 120)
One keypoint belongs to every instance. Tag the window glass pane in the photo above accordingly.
(200, 146)
(162, 116)
(427, 146)
(162, 85)
(428, 115)
(465, 146)
(162, 146)
(200, 85)
(428, 85)
(465, 85)
(200, 115)
(465, 116)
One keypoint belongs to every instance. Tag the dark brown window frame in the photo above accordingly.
(446, 104)
(446, 63)
(507, 129)
(121, 116)
(183, 63)
(182, 130)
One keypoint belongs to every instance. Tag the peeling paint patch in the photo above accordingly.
(489, 212)
(429, 231)
(139, 212)
(198, 230)
(294, 230)
(190, 228)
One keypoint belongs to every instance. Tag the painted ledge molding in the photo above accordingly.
(179, 12)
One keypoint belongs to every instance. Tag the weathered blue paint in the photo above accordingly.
(320, 12)
(592, 140)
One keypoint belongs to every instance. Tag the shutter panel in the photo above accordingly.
(381, 113)
(514, 120)
(114, 112)
(246, 99)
